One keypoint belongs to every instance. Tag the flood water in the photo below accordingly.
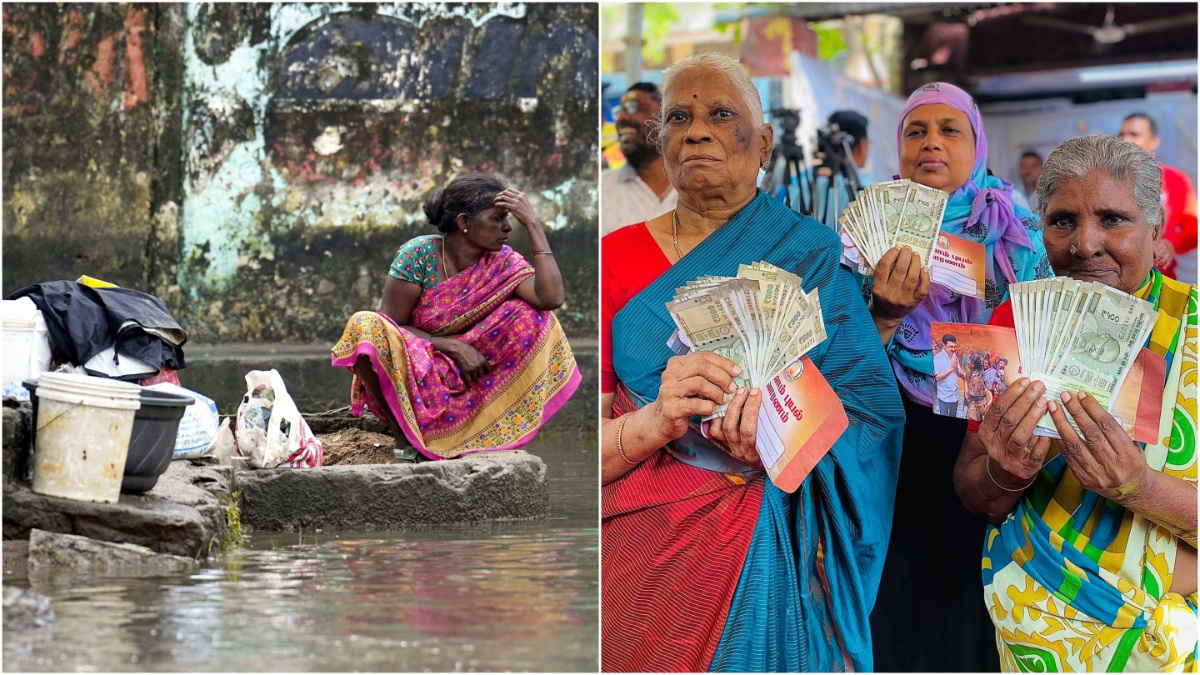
(502, 596)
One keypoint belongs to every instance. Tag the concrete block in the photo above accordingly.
(18, 439)
(480, 486)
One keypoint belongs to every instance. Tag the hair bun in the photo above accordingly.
(434, 209)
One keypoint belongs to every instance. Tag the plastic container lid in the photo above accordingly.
(71, 388)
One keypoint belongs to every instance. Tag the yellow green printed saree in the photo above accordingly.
(1075, 582)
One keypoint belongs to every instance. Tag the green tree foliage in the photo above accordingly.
(658, 18)
(830, 41)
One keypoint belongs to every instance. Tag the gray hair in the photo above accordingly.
(734, 73)
(1120, 159)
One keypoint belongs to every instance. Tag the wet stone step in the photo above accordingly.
(477, 487)
(185, 514)
(54, 551)
(194, 506)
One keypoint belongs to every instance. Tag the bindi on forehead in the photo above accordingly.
(695, 95)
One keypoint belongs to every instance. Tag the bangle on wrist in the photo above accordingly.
(620, 447)
(987, 464)
(543, 253)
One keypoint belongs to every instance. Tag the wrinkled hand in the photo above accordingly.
(471, 364)
(1106, 461)
(901, 283)
(515, 202)
(693, 384)
(737, 429)
(1164, 253)
(1015, 454)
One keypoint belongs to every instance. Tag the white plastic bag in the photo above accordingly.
(26, 345)
(269, 429)
(198, 426)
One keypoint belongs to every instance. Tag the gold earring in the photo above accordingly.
(464, 230)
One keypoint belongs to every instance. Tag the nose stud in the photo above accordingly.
(1073, 249)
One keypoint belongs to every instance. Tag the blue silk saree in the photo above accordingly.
(706, 569)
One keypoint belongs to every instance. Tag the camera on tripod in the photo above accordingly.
(789, 122)
(834, 147)
(823, 188)
(788, 168)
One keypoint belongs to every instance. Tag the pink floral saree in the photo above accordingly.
(533, 369)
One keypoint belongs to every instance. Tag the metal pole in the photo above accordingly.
(633, 43)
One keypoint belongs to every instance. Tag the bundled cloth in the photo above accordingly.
(111, 332)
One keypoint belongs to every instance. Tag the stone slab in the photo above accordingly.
(479, 486)
(53, 550)
(184, 514)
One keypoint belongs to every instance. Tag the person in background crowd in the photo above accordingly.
(1176, 252)
(855, 124)
(639, 190)
(1029, 168)
(990, 364)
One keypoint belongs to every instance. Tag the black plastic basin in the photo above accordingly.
(152, 443)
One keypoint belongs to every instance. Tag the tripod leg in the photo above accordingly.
(787, 184)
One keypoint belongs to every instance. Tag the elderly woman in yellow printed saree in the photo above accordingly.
(1090, 564)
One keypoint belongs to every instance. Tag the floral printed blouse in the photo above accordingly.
(416, 261)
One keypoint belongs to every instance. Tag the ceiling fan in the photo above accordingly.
(1110, 33)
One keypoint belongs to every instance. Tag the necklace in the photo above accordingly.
(445, 271)
(675, 234)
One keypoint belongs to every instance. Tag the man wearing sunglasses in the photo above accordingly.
(639, 190)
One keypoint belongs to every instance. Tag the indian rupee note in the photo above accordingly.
(920, 222)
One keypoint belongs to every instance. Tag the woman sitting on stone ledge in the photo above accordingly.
(464, 353)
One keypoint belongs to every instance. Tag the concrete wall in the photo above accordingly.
(92, 161)
(258, 165)
(315, 132)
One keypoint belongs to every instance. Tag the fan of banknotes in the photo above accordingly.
(1078, 336)
(896, 213)
(761, 319)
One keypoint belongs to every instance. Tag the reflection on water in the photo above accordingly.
(503, 596)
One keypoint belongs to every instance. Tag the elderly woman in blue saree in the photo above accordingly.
(706, 565)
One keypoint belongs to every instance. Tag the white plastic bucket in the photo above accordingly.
(83, 428)
(26, 345)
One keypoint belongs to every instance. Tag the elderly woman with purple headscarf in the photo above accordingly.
(930, 615)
